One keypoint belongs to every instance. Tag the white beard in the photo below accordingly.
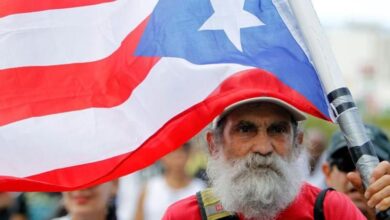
(256, 186)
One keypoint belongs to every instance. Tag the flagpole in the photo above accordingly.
(343, 108)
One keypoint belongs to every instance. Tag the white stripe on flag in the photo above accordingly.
(73, 138)
(71, 35)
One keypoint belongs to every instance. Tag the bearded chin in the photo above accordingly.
(256, 186)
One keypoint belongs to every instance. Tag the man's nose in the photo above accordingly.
(262, 144)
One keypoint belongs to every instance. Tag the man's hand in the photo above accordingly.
(378, 192)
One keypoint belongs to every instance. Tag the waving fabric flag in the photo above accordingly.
(99, 89)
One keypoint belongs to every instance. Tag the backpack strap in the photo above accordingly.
(319, 204)
(211, 208)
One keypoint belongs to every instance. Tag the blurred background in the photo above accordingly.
(359, 33)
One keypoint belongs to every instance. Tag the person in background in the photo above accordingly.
(316, 143)
(339, 166)
(162, 190)
(93, 203)
(35, 206)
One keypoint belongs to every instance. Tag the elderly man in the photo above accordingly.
(257, 168)
(339, 166)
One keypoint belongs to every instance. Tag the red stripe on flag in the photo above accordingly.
(9, 7)
(36, 91)
(246, 84)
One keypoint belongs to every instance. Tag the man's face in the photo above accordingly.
(257, 128)
(256, 168)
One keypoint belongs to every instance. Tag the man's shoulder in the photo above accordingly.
(339, 206)
(332, 196)
(186, 208)
(309, 193)
(335, 205)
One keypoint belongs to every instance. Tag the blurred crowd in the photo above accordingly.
(142, 195)
(145, 195)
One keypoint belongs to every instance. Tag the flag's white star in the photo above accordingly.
(229, 16)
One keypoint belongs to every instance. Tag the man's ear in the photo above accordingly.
(212, 147)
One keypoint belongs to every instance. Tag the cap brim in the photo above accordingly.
(295, 113)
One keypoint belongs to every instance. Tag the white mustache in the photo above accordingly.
(256, 162)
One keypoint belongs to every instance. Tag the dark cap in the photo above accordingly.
(378, 137)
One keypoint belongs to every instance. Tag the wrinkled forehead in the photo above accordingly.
(263, 110)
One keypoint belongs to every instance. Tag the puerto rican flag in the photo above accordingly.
(91, 90)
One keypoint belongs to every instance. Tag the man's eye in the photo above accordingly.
(277, 129)
(246, 128)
